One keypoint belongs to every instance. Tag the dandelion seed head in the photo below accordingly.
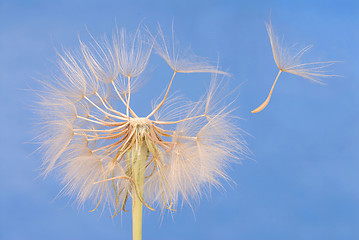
(92, 135)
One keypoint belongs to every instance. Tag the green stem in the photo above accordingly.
(139, 157)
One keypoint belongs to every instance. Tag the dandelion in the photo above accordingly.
(108, 154)
(286, 62)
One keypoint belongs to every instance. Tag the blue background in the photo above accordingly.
(303, 181)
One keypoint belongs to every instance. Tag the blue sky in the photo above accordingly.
(303, 181)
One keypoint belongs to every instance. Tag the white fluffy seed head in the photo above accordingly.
(91, 133)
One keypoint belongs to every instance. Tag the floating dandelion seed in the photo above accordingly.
(106, 153)
(291, 64)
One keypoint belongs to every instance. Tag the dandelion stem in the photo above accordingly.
(164, 99)
(139, 154)
(109, 106)
(119, 94)
(182, 120)
(129, 96)
(103, 111)
(265, 103)
(123, 101)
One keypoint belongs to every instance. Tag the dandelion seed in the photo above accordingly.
(182, 61)
(109, 155)
(286, 62)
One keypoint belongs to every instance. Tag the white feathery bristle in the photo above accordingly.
(182, 60)
(291, 63)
